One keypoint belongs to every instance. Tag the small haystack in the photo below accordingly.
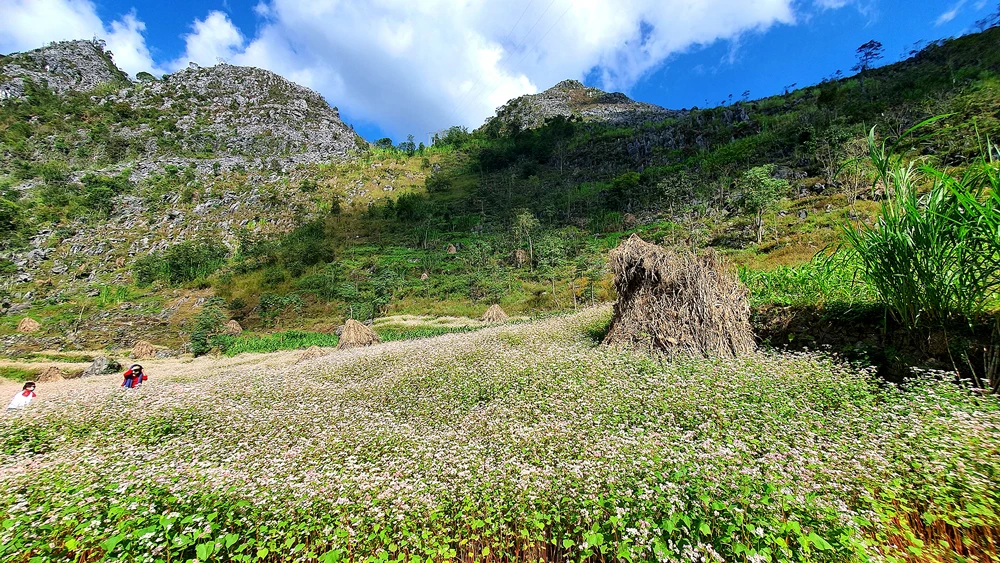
(424, 276)
(312, 353)
(451, 249)
(495, 315)
(143, 350)
(28, 325)
(675, 302)
(356, 334)
(50, 375)
(233, 328)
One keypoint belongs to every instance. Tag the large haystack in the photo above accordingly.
(356, 334)
(143, 350)
(50, 375)
(676, 302)
(233, 328)
(312, 353)
(28, 325)
(495, 315)
(451, 249)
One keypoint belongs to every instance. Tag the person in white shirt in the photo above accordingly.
(22, 399)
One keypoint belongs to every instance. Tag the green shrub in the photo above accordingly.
(182, 262)
(272, 306)
(17, 374)
(265, 343)
(819, 282)
(10, 216)
(99, 192)
(932, 258)
(206, 325)
(305, 246)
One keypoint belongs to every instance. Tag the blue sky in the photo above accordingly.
(395, 67)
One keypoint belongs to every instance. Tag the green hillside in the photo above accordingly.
(529, 212)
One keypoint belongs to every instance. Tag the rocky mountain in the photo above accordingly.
(570, 98)
(216, 118)
(62, 66)
(98, 170)
(241, 115)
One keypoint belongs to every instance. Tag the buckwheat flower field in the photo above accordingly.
(526, 442)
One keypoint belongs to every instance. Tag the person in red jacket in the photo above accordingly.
(22, 399)
(134, 377)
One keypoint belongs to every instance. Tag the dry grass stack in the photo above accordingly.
(50, 375)
(675, 302)
(312, 353)
(233, 328)
(28, 325)
(143, 350)
(356, 335)
(495, 315)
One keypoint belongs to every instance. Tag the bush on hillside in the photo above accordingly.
(182, 262)
(933, 258)
(206, 325)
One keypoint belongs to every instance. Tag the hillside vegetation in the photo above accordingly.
(530, 204)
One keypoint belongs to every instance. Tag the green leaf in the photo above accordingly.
(819, 542)
(568, 543)
(705, 529)
(110, 543)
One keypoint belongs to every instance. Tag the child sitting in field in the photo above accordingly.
(22, 399)
(134, 377)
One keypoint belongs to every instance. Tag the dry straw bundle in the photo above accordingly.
(233, 328)
(312, 353)
(143, 350)
(51, 374)
(28, 325)
(355, 335)
(676, 302)
(495, 315)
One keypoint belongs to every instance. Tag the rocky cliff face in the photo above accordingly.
(570, 98)
(214, 119)
(62, 66)
(208, 153)
(246, 114)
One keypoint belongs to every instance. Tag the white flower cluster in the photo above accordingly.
(492, 443)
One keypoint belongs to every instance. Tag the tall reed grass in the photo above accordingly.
(933, 258)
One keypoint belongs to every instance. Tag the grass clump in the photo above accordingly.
(17, 374)
(821, 281)
(933, 258)
(389, 333)
(264, 343)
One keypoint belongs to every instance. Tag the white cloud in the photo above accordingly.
(413, 67)
(29, 24)
(211, 40)
(419, 66)
(950, 14)
(125, 40)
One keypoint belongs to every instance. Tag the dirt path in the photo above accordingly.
(184, 367)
